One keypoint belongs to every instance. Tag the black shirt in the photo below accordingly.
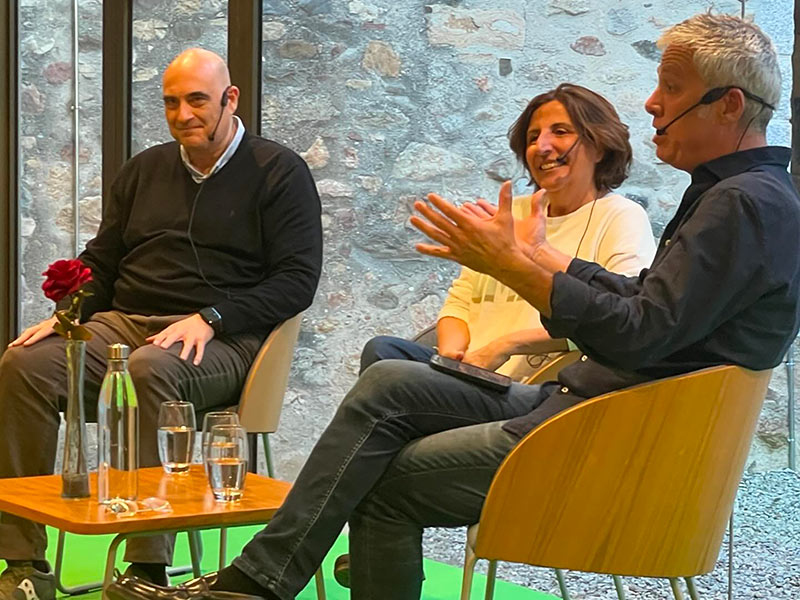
(723, 289)
(256, 232)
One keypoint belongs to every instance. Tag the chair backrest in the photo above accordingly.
(549, 370)
(637, 482)
(261, 400)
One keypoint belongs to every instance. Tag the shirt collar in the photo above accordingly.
(739, 162)
(706, 176)
(197, 175)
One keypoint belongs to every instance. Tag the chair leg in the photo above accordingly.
(319, 582)
(562, 585)
(252, 449)
(730, 557)
(618, 585)
(196, 551)
(676, 588)
(268, 454)
(691, 587)
(223, 547)
(491, 577)
(469, 570)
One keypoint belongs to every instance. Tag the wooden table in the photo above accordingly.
(193, 506)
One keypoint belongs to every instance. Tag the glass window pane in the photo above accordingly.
(48, 141)
(162, 29)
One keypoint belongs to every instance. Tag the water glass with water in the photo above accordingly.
(216, 417)
(176, 429)
(225, 457)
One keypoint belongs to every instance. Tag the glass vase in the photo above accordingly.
(74, 472)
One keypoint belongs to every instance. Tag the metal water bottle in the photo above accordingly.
(117, 431)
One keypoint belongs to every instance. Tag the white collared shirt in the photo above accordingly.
(197, 175)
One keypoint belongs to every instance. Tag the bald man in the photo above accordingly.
(206, 243)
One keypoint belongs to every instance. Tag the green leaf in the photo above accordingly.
(64, 319)
(80, 332)
(59, 329)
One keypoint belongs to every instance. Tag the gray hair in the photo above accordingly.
(729, 51)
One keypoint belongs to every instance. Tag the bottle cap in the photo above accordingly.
(118, 351)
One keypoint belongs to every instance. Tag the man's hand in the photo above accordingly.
(484, 243)
(490, 356)
(193, 331)
(34, 333)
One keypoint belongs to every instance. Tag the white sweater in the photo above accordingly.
(618, 237)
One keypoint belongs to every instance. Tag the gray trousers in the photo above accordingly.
(33, 391)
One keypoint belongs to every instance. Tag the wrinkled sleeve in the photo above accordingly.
(711, 266)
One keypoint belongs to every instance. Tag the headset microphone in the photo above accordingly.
(712, 96)
(223, 102)
(562, 160)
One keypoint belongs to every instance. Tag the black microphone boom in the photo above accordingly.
(223, 102)
(562, 160)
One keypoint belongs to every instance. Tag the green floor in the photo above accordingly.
(85, 557)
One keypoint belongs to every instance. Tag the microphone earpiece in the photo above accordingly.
(223, 102)
(712, 96)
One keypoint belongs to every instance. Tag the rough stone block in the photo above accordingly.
(460, 28)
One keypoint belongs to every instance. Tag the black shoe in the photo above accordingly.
(341, 570)
(133, 588)
(157, 576)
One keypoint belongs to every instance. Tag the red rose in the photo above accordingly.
(65, 277)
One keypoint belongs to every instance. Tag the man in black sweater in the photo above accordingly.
(206, 244)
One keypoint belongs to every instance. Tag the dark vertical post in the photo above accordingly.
(9, 172)
(117, 60)
(244, 59)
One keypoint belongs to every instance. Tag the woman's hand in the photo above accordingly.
(491, 356)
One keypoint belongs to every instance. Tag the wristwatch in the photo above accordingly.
(211, 316)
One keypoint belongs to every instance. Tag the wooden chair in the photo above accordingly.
(637, 482)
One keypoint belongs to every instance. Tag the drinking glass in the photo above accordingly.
(217, 417)
(225, 458)
(176, 427)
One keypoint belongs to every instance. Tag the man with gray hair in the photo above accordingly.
(411, 448)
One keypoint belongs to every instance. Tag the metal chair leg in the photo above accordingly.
(268, 454)
(562, 585)
(223, 547)
(469, 570)
(69, 590)
(691, 587)
(619, 587)
(319, 582)
(196, 551)
(491, 577)
(790, 393)
(676, 588)
(730, 558)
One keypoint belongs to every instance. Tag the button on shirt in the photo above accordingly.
(723, 288)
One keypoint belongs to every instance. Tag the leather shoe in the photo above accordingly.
(133, 588)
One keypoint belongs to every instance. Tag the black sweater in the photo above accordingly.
(256, 230)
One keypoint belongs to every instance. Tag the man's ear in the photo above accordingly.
(732, 106)
(233, 98)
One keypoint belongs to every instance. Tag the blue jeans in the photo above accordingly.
(408, 448)
(384, 347)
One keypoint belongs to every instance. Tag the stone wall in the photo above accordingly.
(386, 101)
